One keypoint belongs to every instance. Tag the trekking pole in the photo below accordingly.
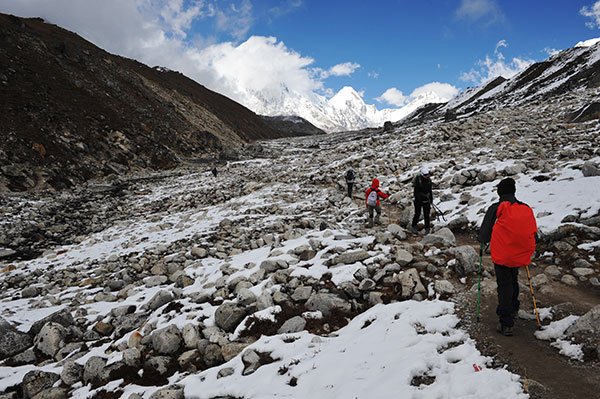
(537, 315)
(479, 283)
(438, 210)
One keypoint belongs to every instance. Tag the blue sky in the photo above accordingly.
(384, 49)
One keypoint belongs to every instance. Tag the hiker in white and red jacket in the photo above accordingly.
(372, 201)
(510, 227)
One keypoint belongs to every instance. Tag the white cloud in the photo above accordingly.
(490, 68)
(285, 8)
(443, 90)
(486, 11)
(550, 51)
(345, 69)
(593, 13)
(393, 96)
(235, 20)
(374, 75)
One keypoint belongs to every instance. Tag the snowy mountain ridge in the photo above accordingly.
(346, 110)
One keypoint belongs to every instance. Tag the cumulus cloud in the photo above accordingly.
(486, 11)
(592, 12)
(443, 90)
(393, 96)
(345, 69)
(490, 68)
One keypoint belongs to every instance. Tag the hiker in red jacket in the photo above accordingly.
(372, 201)
(510, 227)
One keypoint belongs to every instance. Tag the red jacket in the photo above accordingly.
(513, 235)
(375, 186)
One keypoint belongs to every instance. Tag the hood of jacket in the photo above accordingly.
(375, 183)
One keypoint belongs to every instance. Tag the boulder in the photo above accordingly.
(302, 293)
(167, 340)
(443, 237)
(50, 339)
(36, 381)
(589, 322)
(326, 303)
(403, 257)
(12, 341)
(62, 317)
(71, 373)
(293, 325)
(93, 371)
(348, 258)
(411, 283)
(229, 315)
(159, 299)
(467, 260)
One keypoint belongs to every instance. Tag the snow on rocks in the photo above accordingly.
(157, 280)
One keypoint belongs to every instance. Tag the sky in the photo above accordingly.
(388, 50)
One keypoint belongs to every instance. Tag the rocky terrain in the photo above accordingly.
(179, 283)
(72, 112)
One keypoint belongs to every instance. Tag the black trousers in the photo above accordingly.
(350, 189)
(508, 293)
(426, 209)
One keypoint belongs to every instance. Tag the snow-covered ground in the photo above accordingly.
(408, 349)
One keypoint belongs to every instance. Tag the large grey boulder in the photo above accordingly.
(170, 392)
(93, 371)
(36, 381)
(12, 341)
(50, 339)
(167, 340)
(245, 297)
(71, 373)
(293, 325)
(52, 393)
(191, 336)
(62, 317)
(348, 258)
(411, 283)
(302, 293)
(590, 169)
(159, 299)
(128, 322)
(443, 237)
(589, 322)
(467, 260)
(229, 315)
(326, 303)
(403, 257)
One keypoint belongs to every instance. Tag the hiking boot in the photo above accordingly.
(413, 229)
(377, 221)
(505, 330)
(427, 230)
(370, 223)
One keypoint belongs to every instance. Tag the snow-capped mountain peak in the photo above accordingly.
(347, 97)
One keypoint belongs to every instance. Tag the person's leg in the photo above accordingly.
(417, 214)
(515, 294)
(426, 210)
(378, 210)
(505, 294)
(350, 189)
(370, 208)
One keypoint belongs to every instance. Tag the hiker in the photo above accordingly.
(349, 181)
(423, 200)
(372, 201)
(510, 227)
(214, 172)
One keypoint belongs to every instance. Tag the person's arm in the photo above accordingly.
(485, 231)
(382, 195)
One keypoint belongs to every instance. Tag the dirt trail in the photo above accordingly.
(546, 373)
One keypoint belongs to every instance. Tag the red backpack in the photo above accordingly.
(513, 235)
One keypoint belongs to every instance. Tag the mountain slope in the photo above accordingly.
(71, 111)
(570, 70)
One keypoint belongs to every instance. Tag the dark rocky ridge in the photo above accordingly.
(71, 112)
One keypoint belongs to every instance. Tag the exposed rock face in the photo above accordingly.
(103, 114)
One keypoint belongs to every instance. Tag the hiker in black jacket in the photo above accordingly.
(423, 200)
(349, 181)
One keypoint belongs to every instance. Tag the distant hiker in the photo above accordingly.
(372, 201)
(214, 172)
(349, 181)
(510, 227)
(423, 200)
